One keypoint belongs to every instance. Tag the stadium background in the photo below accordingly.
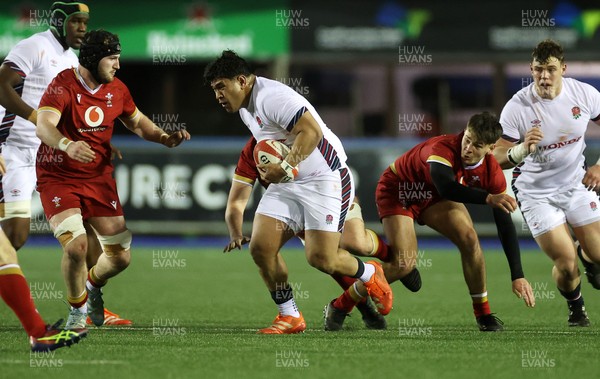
(382, 74)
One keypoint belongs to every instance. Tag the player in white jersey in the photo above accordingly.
(24, 76)
(311, 189)
(549, 119)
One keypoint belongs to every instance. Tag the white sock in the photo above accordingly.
(288, 308)
(89, 286)
(369, 272)
(83, 309)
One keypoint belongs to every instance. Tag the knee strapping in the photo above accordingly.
(69, 229)
(114, 245)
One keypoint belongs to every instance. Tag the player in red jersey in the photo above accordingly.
(74, 169)
(355, 238)
(428, 184)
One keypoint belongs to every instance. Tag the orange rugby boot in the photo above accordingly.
(380, 290)
(112, 319)
(285, 325)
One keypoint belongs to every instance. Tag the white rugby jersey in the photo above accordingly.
(558, 162)
(273, 111)
(38, 59)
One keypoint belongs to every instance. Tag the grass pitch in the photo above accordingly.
(196, 311)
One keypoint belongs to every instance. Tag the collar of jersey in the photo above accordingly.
(473, 167)
(84, 84)
(55, 43)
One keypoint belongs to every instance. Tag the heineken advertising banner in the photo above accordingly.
(167, 32)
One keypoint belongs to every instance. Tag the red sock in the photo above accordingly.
(348, 300)
(380, 247)
(15, 293)
(481, 306)
(345, 302)
(93, 279)
(344, 281)
(382, 250)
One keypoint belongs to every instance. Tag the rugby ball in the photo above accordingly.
(270, 151)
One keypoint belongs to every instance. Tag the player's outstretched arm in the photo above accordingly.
(447, 186)
(146, 129)
(445, 182)
(239, 194)
(510, 244)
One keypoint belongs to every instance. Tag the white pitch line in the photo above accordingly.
(94, 362)
(64, 361)
(232, 330)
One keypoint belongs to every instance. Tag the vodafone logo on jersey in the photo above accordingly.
(94, 116)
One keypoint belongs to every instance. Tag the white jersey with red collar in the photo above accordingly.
(38, 59)
(558, 162)
(273, 111)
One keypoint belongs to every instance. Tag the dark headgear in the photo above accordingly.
(96, 45)
(60, 12)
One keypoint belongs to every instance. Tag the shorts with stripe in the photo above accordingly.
(316, 203)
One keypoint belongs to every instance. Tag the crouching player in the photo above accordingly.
(449, 170)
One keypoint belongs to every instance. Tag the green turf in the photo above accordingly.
(198, 320)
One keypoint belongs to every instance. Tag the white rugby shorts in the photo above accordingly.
(317, 203)
(577, 207)
(19, 181)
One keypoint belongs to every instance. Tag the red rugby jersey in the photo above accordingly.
(413, 166)
(246, 171)
(85, 115)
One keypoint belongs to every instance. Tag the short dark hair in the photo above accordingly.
(485, 127)
(546, 49)
(228, 65)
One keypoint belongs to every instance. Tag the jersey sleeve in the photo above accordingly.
(130, 110)
(441, 153)
(284, 107)
(594, 102)
(509, 122)
(56, 97)
(245, 171)
(24, 57)
(497, 180)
